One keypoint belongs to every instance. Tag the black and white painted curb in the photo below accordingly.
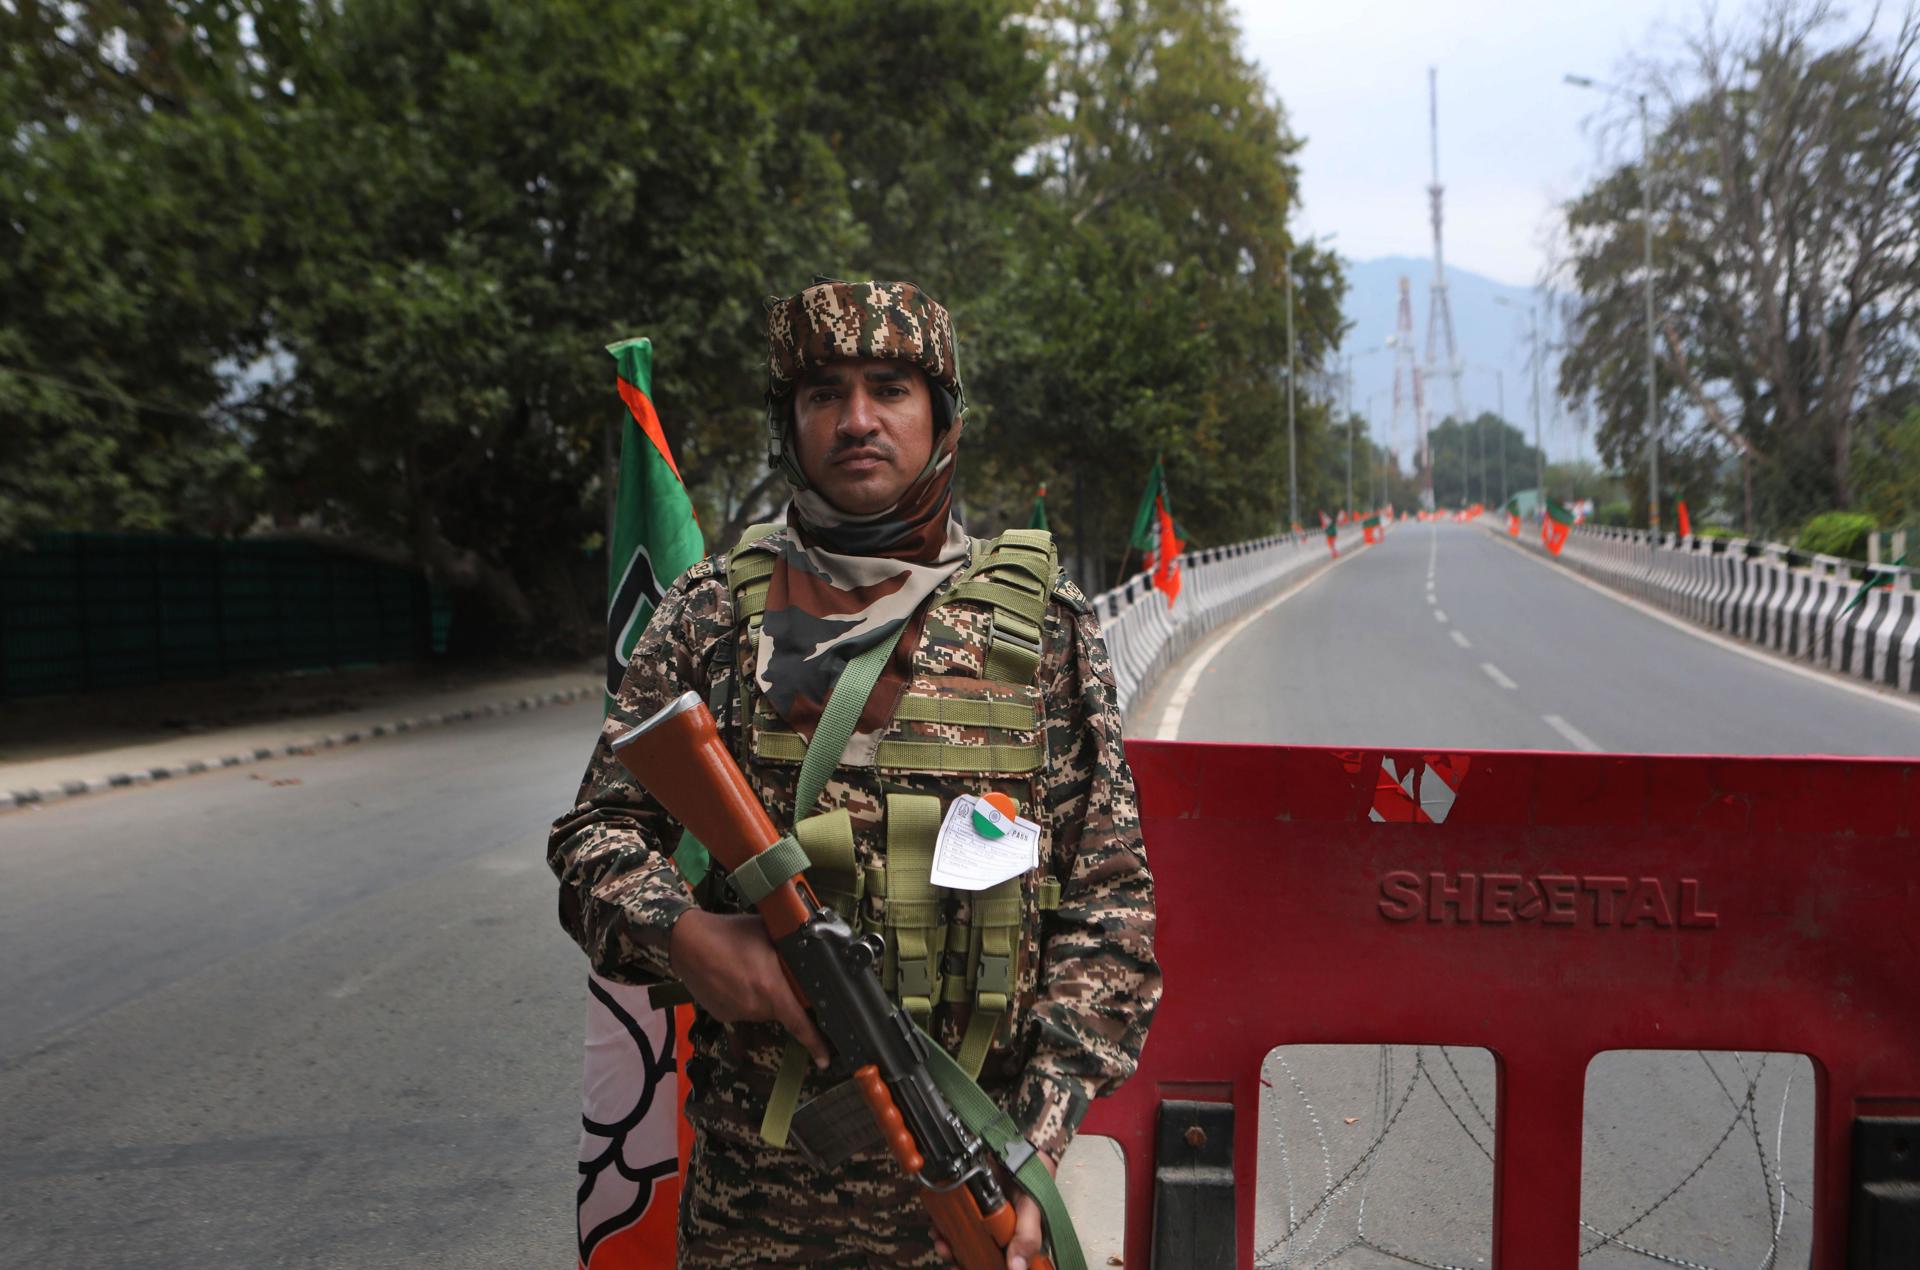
(147, 776)
(1750, 593)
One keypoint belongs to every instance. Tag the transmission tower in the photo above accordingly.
(1409, 395)
(1439, 313)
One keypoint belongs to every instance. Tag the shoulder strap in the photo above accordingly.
(1015, 575)
(749, 568)
(835, 729)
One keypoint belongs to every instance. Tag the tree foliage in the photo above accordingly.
(350, 266)
(1785, 178)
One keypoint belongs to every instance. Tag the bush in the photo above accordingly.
(1715, 531)
(1614, 515)
(1842, 534)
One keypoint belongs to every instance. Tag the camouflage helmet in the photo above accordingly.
(833, 321)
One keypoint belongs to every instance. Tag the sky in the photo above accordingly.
(1514, 139)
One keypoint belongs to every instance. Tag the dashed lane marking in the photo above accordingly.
(1498, 676)
(1580, 740)
(1439, 615)
(1460, 639)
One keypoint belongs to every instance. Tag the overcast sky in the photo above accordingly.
(1352, 75)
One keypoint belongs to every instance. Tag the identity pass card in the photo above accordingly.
(967, 860)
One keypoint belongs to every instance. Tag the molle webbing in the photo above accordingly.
(913, 926)
(1014, 575)
(993, 945)
(916, 756)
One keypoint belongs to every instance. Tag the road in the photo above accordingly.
(1445, 636)
(318, 1013)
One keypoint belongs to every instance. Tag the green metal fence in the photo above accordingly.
(80, 612)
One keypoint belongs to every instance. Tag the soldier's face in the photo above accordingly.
(864, 430)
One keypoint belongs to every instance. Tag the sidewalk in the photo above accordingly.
(62, 748)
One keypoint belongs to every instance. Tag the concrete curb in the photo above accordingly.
(146, 776)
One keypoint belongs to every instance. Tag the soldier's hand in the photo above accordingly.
(1029, 1229)
(732, 970)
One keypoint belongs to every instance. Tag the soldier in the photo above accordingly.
(1042, 984)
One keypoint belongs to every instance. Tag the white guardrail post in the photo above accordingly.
(1145, 635)
(1762, 593)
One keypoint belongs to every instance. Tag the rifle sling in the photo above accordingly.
(979, 1113)
(830, 737)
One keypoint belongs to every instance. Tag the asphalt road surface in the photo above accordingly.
(1446, 636)
(318, 1012)
(311, 1013)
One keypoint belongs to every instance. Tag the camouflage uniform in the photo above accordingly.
(1085, 984)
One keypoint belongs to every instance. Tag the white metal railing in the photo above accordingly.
(1786, 601)
(1145, 635)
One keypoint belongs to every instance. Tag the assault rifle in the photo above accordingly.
(678, 756)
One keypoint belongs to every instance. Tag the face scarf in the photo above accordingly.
(844, 583)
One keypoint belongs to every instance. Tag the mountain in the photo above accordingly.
(1488, 336)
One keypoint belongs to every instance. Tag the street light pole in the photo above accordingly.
(1349, 506)
(1653, 408)
(1293, 479)
(1500, 390)
(1539, 451)
(1646, 235)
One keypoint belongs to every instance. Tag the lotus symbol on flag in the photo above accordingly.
(627, 1134)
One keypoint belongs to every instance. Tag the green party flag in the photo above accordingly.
(1873, 579)
(656, 536)
(1038, 518)
(1143, 518)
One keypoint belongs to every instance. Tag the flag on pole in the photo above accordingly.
(1331, 530)
(1154, 533)
(1513, 516)
(1038, 518)
(1686, 522)
(1144, 521)
(1555, 527)
(1370, 529)
(1166, 556)
(633, 1137)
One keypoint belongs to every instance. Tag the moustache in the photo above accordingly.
(868, 445)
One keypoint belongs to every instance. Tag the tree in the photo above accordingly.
(1147, 304)
(1787, 182)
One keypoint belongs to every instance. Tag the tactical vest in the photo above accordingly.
(971, 716)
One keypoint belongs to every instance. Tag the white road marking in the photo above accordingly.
(1439, 615)
(1176, 707)
(1430, 598)
(1498, 676)
(1580, 740)
(1460, 639)
(1882, 695)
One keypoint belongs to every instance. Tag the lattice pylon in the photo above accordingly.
(1409, 393)
(1440, 341)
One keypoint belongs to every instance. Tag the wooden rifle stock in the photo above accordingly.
(679, 757)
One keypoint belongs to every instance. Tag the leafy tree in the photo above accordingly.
(120, 293)
(1483, 461)
(347, 268)
(1787, 181)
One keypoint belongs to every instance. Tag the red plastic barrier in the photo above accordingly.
(1545, 907)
